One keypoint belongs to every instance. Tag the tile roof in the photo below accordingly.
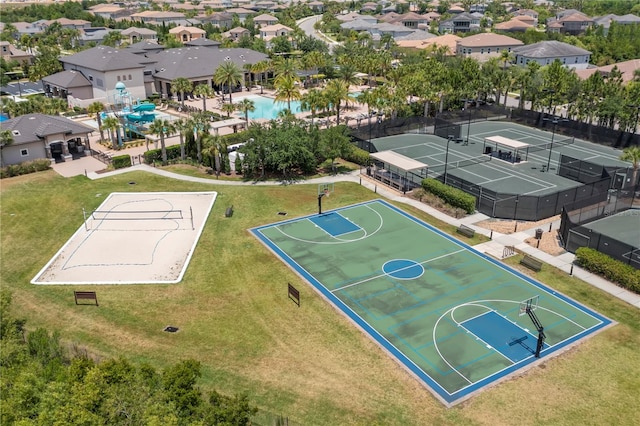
(489, 39)
(104, 58)
(67, 79)
(549, 49)
(33, 127)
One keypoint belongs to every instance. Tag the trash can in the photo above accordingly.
(538, 234)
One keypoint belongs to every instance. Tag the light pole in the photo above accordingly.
(466, 105)
(446, 158)
(554, 120)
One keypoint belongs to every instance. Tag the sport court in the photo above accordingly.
(450, 315)
(468, 161)
(132, 238)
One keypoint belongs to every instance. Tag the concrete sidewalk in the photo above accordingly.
(495, 247)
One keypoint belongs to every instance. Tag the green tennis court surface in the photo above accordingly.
(450, 315)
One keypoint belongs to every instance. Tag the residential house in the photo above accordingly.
(396, 31)
(265, 20)
(93, 35)
(515, 24)
(569, 22)
(268, 32)
(185, 34)
(265, 5)
(462, 23)
(236, 33)
(145, 48)
(203, 42)
(69, 24)
(158, 17)
(27, 28)
(241, 12)
(529, 13)
(605, 21)
(40, 136)
(353, 16)
(109, 11)
(316, 6)
(9, 52)
(546, 52)
(485, 45)
(447, 43)
(134, 35)
(217, 4)
(220, 19)
(369, 7)
(410, 20)
(626, 68)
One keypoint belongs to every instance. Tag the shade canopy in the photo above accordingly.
(398, 160)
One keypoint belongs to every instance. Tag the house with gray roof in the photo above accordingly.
(198, 64)
(93, 35)
(135, 35)
(606, 20)
(39, 136)
(460, 23)
(203, 42)
(67, 83)
(546, 52)
(9, 52)
(105, 66)
(219, 19)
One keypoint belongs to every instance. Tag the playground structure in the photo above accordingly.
(133, 115)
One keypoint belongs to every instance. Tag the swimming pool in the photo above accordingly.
(268, 108)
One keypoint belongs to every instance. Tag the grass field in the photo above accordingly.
(307, 363)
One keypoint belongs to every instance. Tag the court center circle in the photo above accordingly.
(403, 269)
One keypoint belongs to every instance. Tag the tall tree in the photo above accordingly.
(6, 139)
(632, 155)
(336, 92)
(162, 127)
(287, 90)
(228, 74)
(97, 108)
(204, 91)
(183, 126)
(246, 106)
(313, 101)
(181, 85)
(112, 125)
(260, 68)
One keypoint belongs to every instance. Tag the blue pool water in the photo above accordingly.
(3, 118)
(268, 108)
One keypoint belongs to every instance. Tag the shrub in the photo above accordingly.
(121, 161)
(450, 195)
(614, 270)
(155, 155)
(25, 168)
(358, 156)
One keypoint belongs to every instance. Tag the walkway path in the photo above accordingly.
(494, 247)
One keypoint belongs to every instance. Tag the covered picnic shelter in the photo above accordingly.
(397, 170)
(505, 149)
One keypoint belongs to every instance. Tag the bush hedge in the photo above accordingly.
(155, 155)
(121, 161)
(614, 270)
(358, 156)
(450, 195)
(25, 168)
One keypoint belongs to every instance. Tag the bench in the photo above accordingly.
(228, 212)
(85, 295)
(531, 263)
(466, 231)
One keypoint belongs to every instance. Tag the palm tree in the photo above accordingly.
(183, 126)
(336, 92)
(286, 68)
(260, 68)
(313, 101)
(229, 108)
(6, 139)
(96, 108)
(228, 74)
(287, 90)
(215, 149)
(347, 73)
(247, 70)
(162, 127)
(181, 85)
(246, 106)
(632, 154)
(200, 130)
(204, 91)
(112, 125)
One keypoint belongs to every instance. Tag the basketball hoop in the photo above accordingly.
(326, 193)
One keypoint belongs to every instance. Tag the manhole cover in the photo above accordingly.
(282, 213)
(132, 183)
(171, 329)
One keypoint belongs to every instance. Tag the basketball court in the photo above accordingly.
(455, 318)
(132, 238)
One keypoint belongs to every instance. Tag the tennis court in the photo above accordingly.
(535, 175)
(450, 315)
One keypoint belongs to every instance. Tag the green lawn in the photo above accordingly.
(307, 363)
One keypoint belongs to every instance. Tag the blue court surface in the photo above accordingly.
(452, 316)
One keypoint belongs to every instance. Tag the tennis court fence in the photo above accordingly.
(574, 234)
